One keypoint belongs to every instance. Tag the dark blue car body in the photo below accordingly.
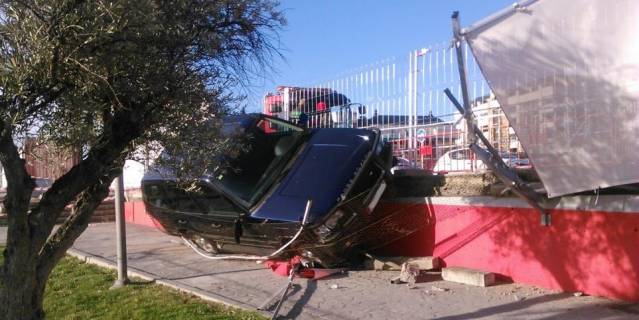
(343, 171)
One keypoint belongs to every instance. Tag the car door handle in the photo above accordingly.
(182, 221)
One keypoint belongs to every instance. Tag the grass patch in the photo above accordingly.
(77, 290)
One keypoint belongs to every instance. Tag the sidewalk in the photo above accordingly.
(359, 295)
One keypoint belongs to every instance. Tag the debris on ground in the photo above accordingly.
(435, 288)
(409, 273)
(412, 269)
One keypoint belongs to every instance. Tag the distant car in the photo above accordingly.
(257, 204)
(458, 160)
(464, 160)
(513, 160)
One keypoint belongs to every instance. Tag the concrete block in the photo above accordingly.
(468, 276)
(381, 265)
(426, 263)
(395, 263)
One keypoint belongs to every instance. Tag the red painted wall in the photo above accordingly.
(588, 251)
(134, 212)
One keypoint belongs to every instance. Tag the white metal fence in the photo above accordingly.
(405, 99)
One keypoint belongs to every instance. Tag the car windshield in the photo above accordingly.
(267, 145)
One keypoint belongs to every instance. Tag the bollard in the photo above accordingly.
(120, 230)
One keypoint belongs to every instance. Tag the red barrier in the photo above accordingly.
(593, 252)
(135, 212)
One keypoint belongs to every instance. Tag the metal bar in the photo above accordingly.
(307, 210)
(497, 16)
(491, 156)
(461, 67)
(289, 285)
(494, 162)
(409, 102)
(473, 127)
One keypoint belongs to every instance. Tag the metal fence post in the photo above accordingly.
(120, 230)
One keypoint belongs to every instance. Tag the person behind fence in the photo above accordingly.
(322, 113)
(294, 116)
(303, 120)
(302, 117)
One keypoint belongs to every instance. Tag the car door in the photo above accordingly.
(207, 212)
(213, 215)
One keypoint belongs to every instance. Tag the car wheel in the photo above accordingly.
(205, 244)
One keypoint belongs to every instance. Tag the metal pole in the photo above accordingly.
(120, 230)
(461, 66)
(490, 156)
(409, 102)
(413, 122)
(499, 15)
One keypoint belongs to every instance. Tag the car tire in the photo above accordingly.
(205, 244)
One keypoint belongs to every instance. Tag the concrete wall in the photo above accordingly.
(591, 246)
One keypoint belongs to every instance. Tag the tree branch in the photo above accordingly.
(19, 183)
(77, 222)
(109, 149)
(16, 202)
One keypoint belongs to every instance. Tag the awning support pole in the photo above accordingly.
(490, 156)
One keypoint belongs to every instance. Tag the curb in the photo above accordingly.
(134, 272)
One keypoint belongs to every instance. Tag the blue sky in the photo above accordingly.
(325, 38)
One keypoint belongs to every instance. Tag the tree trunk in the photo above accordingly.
(18, 295)
(22, 294)
(20, 257)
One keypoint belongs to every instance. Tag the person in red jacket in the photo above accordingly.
(320, 109)
(320, 106)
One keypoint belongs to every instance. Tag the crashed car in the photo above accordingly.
(258, 205)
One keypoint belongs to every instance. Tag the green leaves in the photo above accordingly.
(70, 66)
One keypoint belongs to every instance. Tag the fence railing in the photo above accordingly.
(406, 100)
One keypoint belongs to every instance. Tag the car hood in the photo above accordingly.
(328, 162)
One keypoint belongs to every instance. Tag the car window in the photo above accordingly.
(198, 199)
(271, 126)
(267, 145)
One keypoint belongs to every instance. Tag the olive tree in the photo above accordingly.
(104, 77)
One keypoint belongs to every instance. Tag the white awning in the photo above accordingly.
(566, 73)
